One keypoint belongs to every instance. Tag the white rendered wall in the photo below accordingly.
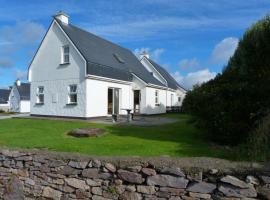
(46, 70)
(56, 98)
(25, 106)
(149, 107)
(14, 100)
(97, 97)
(5, 106)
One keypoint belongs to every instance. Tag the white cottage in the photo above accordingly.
(4, 99)
(75, 73)
(20, 97)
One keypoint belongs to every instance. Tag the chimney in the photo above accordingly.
(144, 54)
(63, 17)
(18, 82)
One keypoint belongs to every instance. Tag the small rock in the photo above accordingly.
(97, 191)
(167, 181)
(146, 189)
(130, 177)
(232, 191)
(265, 179)
(90, 173)
(110, 167)
(58, 181)
(118, 182)
(77, 183)
(81, 194)
(195, 176)
(120, 189)
(29, 181)
(96, 197)
(50, 193)
(149, 171)
(174, 198)
(172, 171)
(77, 165)
(134, 168)
(202, 187)
(93, 183)
(234, 181)
(67, 170)
(131, 188)
(56, 163)
(96, 163)
(172, 191)
(199, 195)
(213, 171)
(130, 196)
(252, 180)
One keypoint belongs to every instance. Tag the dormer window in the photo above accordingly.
(65, 54)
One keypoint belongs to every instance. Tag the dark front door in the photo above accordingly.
(137, 100)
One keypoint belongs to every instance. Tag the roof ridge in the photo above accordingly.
(88, 32)
(168, 74)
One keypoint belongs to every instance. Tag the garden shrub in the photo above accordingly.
(230, 105)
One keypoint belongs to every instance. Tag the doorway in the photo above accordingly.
(113, 100)
(137, 100)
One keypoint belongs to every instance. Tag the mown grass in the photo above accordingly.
(179, 139)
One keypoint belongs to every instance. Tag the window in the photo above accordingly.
(179, 99)
(65, 54)
(72, 96)
(156, 98)
(40, 95)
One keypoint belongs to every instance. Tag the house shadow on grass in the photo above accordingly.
(187, 139)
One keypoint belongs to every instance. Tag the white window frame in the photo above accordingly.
(70, 93)
(156, 97)
(39, 94)
(64, 54)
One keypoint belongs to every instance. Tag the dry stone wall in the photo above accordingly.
(33, 176)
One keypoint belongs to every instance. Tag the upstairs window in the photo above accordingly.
(179, 99)
(156, 97)
(40, 95)
(65, 54)
(72, 96)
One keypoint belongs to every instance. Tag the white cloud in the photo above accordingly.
(16, 37)
(20, 74)
(141, 29)
(153, 53)
(194, 78)
(188, 64)
(224, 50)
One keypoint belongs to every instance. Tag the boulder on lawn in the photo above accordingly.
(87, 132)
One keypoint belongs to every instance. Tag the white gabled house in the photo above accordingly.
(4, 100)
(77, 74)
(20, 97)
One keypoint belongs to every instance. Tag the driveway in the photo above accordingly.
(2, 116)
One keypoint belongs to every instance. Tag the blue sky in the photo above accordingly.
(193, 39)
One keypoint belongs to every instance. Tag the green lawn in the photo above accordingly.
(176, 139)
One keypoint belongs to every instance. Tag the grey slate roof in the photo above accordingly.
(4, 96)
(24, 91)
(105, 58)
(172, 83)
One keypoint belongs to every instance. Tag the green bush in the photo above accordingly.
(229, 105)
(258, 145)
